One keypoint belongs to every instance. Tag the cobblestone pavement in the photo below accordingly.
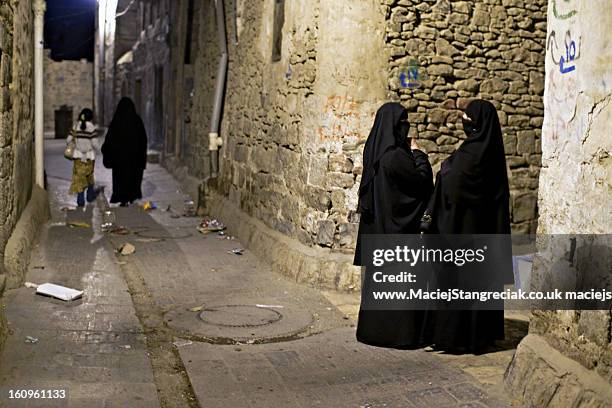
(245, 336)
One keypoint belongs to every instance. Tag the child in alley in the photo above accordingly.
(82, 144)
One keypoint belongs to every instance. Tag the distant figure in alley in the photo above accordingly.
(125, 152)
(82, 144)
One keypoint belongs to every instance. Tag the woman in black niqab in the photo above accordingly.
(471, 196)
(395, 186)
(125, 151)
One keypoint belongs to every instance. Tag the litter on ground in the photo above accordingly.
(190, 209)
(126, 249)
(30, 339)
(210, 225)
(58, 292)
(30, 285)
(197, 308)
(149, 205)
(78, 224)
(236, 251)
(182, 343)
(120, 231)
(270, 306)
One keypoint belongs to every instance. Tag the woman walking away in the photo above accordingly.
(396, 183)
(472, 197)
(125, 151)
(83, 140)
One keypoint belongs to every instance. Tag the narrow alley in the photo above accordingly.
(300, 204)
(183, 323)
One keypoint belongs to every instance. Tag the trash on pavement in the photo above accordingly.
(30, 285)
(182, 343)
(120, 231)
(126, 346)
(79, 224)
(197, 308)
(59, 292)
(189, 209)
(30, 339)
(126, 249)
(149, 239)
(270, 306)
(66, 209)
(210, 225)
(236, 251)
(149, 205)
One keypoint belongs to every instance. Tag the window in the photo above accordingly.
(277, 34)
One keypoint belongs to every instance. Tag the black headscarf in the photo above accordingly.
(126, 139)
(386, 134)
(479, 164)
(85, 116)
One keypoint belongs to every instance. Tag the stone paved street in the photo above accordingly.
(245, 336)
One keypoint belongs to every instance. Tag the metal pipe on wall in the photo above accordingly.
(39, 8)
(215, 141)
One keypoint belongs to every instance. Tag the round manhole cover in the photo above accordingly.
(241, 321)
(240, 316)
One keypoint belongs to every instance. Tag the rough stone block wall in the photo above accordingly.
(575, 197)
(445, 53)
(294, 129)
(16, 120)
(66, 83)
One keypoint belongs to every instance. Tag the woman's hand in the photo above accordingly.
(413, 144)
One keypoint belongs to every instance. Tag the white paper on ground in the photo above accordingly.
(57, 291)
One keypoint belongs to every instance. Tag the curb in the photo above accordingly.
(20, 244)
(317, 267)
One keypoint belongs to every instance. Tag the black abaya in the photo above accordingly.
(471, 196)
(125, 151)
(395, 187)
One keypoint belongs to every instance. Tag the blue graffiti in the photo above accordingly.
(567, 62)
(570, 55)
(410, 77)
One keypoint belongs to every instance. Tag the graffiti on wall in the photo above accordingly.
(341, 115)
(412, 75)
(566, 55)
(563, 14)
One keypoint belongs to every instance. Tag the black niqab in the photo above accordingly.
(125, 151)
(471, 196)
(479, 164)
(394, 190)
(385, 135)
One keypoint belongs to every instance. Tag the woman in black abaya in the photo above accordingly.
(395, 186)
(471, 196)
(125, 151)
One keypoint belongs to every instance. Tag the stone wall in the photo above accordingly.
(445, 53)
(16, 120)
(575, 197)
(66, 83)
(294, 129)
(144, 73)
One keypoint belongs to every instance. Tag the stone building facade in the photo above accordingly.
(66, 83)
(304, 81)
(294, 124)
(16, 122)
(570, 352)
